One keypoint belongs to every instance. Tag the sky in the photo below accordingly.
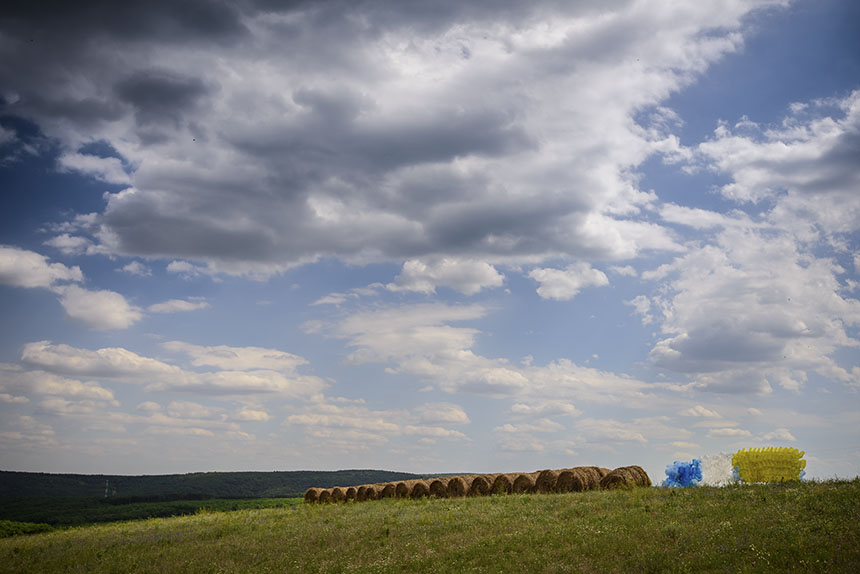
(428, 236)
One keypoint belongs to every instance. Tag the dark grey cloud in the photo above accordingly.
(264, 132)
(155, 20)
(160, 96)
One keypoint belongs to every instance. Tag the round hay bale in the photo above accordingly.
(311, 495)
(457, 486)
(641, 477)
(401, 489)
(525, 483)
(387, 490)
(481, 485)
(361, 493)
(626, 477)
(372, 492)
(351, 493)
(594, 477)
(439, 487)
(324, 495)
(546, 481)
(603, 471)
(338, 494)
(504, 484)
(572, 480)
(419, 488)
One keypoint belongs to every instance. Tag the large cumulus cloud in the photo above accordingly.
(260, 135)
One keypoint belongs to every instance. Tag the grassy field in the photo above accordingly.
(810, 527)
(76, 511)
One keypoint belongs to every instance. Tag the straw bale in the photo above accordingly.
(371, 492)
(361, 493)
(439, 487)
(626, 477)
(458, 486)
(401, 489)
(311, 495)
(525, 483)
(603, 471)
(546, 481)
(572, 480)
(419, 488)
(504, 484)
(338, 494)
(481, 485)
(351, 492)
(387, 490)
(324, 495)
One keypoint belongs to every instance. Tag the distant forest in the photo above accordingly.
(193, 486)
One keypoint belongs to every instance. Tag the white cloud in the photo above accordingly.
(599, 430)
(700, 411)
(442, 413)
(251, 415)
(642, 306)
(751, 309)
(360, 142)
(148, 406)
(237, 358)
(804, 165)
(136, 268)
(178, 306)
(543, 425)
(107, 169)
(22, 268)
(465, 276)
(728, 433)
(101, 310)
(781, 434)
(545, 408)
(70, 244)
(247, 370)
(565, 284)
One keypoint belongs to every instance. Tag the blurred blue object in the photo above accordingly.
(683, 474)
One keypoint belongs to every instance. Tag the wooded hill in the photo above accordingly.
(193, 486)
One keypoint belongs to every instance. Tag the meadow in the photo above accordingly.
(790, 527)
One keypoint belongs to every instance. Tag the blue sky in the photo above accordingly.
(428, 237)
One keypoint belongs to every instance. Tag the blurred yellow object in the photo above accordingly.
(769, 464)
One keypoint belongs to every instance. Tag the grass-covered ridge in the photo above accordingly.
(793, 527)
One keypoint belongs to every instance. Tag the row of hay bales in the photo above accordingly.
(577, 479)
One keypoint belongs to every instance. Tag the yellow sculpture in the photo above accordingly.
(769, 464)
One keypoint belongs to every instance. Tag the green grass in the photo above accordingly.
(76, 511)
(810, 527)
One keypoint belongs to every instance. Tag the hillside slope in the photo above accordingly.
(798, 527)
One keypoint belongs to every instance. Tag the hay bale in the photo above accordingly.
(361, 493)
(387, 490)
(401, 489)
(626, 477)
(438, 487)
(525, 483)
(372, 492)
(504, 484)
(572, 480)
(419, 488)
(338, 494)
(481, 485)
(458, 486)
(546, 481)
(324, 495)
(311, 495)
(351, 493)
(603, 471)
